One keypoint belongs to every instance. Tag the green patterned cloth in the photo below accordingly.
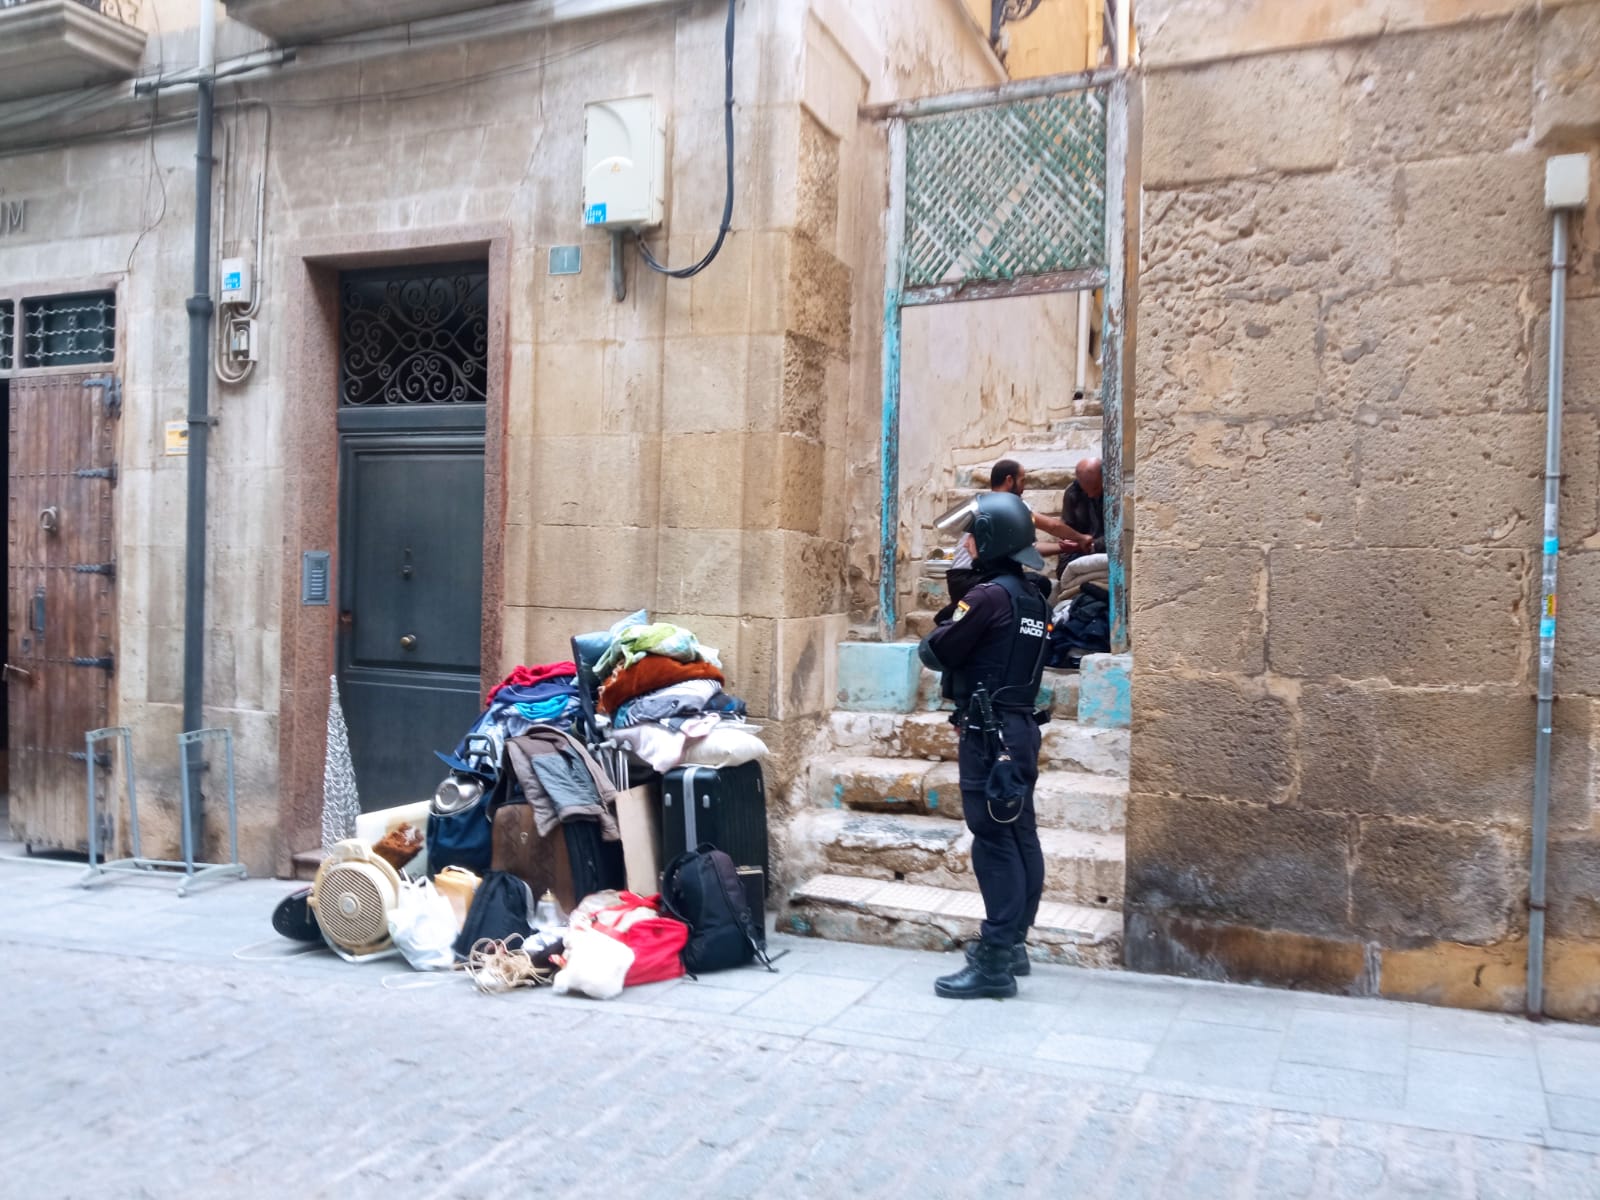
(669, 641)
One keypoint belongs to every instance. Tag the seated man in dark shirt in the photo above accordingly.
(1083, 511)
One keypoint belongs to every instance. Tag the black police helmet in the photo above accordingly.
(1003, 528)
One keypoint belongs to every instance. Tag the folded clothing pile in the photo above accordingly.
(541, 695)
(1090, 568)
(634, 642)
(663, 691)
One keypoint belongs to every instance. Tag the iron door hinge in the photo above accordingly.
(106, 662)
(109, 569)
(112, 393)
(97, 472)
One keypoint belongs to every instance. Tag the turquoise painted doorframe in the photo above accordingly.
(1011, 191)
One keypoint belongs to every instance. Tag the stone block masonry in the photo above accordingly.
(1341, 380)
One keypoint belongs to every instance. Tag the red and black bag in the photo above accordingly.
(656, 941)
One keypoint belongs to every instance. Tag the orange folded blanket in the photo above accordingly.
(650, 674)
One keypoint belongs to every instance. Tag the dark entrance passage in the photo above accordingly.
(413, 371)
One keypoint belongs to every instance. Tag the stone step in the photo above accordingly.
(1059, 691)
(1065, 745)
(1081, 429)
(917, 787)
(1045, 470)
(1079, 868)
(888, 677)
(889, 912)
(307, 863)
(930, 592)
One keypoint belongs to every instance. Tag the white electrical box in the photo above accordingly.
(624, 163)
(235, 281)
(1566, 181)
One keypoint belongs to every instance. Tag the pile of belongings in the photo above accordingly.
(662, 695)
(528, 825)
(1081, 616)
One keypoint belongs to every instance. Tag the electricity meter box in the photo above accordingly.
(624, 163)
(235, 281)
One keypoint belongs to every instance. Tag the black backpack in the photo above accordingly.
(702, 889)
(502, 906)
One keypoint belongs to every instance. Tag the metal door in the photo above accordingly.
(413, 371)
(60, 627)
(411, 600)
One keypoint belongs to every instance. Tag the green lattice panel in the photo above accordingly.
(1006, 191)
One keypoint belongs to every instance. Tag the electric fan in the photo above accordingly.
(352, 896)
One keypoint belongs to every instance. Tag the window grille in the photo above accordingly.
(8, 317)
(1006, 190)
(69, 331)
(414, 336)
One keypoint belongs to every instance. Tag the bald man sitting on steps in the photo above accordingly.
(1083, 514)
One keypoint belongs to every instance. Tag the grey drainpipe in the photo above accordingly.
(1566, 189)
(199, 307)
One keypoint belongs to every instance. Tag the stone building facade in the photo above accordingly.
(1339, 342)
(682, 450)
(1341, 395)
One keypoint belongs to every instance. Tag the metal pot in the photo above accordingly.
(456, 793)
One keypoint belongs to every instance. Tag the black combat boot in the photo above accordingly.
(987, 975)
(1020, 963)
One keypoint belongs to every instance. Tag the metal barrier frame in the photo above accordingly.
(1117, 275)
(193, 872)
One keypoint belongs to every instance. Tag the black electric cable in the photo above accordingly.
(727, 204)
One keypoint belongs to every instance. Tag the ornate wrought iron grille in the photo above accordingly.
(413, 336)
(69, 331)
(1006, 190)
(1003, 12)
(8, 324)
(124, 11)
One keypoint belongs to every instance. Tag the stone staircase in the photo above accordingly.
(877, 841)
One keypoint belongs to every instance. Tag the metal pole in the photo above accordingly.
(200, 308)
(1547, 615)
(94, 816)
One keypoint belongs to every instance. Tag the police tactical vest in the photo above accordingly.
(1010, 666)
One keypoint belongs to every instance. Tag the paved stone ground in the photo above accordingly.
(161, 1047)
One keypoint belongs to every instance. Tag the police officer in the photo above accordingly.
(992, 656)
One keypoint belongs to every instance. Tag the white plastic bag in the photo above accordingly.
(596, 965)
(423, 926)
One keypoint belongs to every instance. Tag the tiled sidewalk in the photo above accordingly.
(1396, 1065)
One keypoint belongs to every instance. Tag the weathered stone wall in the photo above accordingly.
(975, 378)
(1341, 382)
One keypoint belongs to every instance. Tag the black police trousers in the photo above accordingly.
(1006, 858)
